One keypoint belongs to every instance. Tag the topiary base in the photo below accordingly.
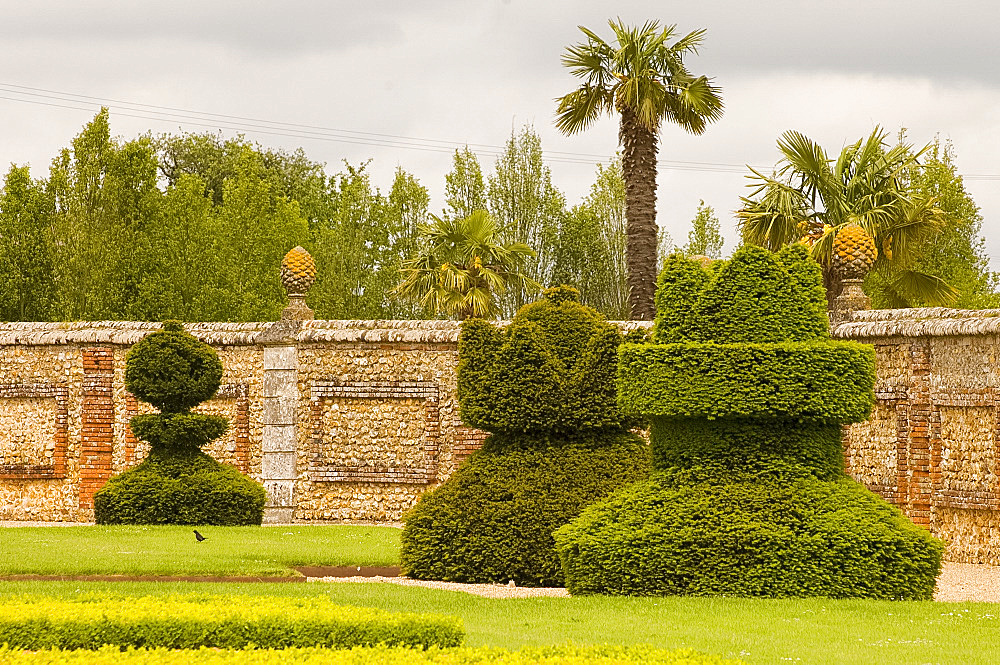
(187, 487)
(784, 534)
(492, 521)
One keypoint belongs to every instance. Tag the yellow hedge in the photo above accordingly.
(364, 656)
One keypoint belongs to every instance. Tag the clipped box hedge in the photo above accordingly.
(828, 382)
(230, 622)
(364, 655)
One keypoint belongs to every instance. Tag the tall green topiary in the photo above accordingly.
(749, 496)
(544, 387)
(177, 483)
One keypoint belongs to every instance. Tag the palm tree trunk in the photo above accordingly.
(639, 170)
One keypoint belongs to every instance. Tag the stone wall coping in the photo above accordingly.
(919, 322)
(126, 333)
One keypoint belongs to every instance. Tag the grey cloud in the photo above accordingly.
(253, 27)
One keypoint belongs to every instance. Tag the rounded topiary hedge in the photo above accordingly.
(180, 487)
(177, 483)
(172, 370)
(492, 521)
(544, 387)
(745, 399)
(773, 534)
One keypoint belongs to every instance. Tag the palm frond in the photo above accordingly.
(921, 287)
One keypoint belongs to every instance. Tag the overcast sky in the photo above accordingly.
(403, 83)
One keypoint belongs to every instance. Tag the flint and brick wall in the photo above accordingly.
(372, 407)
(376, 418)
(932, 445)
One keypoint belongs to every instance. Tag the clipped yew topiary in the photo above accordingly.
(749, 496)
(177, 483)
(544, 387)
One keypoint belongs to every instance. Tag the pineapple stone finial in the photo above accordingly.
(854, 254)
(298, 272)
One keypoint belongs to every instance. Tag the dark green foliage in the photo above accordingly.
(751, 497)
(196, 623)
(172, 370)
(752, 299)
(180, 487)
(492, 521)
(679, 286)
(829, 382)
(688, 532)
(752, 444)
(551, 371)
(178, 430)
(807, 274)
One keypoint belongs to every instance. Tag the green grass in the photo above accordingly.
(815, 631)
(172, 550)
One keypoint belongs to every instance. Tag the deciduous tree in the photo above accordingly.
(704, 238)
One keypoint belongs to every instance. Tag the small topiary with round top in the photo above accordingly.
(177, 483)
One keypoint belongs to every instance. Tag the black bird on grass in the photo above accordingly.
(199, 537)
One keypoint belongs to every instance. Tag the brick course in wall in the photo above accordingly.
(97, 427)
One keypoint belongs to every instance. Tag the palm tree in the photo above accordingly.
(812, 198)
(643, 78)
(464, 267)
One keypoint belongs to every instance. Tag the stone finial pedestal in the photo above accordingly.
(851, 299)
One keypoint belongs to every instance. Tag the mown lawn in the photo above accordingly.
(172, 550)
(757, 631)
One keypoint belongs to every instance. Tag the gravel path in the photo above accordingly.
(968, 582)
(485, 590)
(958, 582)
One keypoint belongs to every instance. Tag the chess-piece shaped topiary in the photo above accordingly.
(746, 395)
(177, 483)
(544, 388)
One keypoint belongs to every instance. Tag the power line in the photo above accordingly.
(73, 101)
(33, 95)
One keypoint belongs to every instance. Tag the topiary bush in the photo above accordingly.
(749, 496)
(544, 387)
(493, 519)
(177, 483)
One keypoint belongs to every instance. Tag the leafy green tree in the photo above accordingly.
(643, 78)
(665, 248)
(257, 225)
(465, 267)
(27, 289)
(527, 207)
(813, 197)
(189, 274)
(464, 187)
(704, 238)
(357, 245)
(214, 159)
(957, 252)
(104, 194)
(592, 245)
(408, 208)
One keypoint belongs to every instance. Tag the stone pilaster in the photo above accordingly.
(278, 445)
